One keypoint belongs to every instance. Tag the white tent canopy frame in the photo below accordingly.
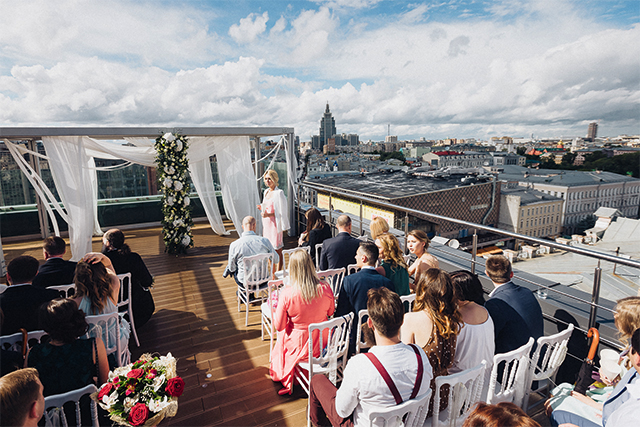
(71, 152)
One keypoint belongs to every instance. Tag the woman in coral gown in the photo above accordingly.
(306, 300)
(275, 218)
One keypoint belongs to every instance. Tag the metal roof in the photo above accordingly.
(565, 178)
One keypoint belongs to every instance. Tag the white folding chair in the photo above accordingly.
(126, 300)
(410, 413)
(411, 299)
(361, 343)
(334, 279)
(64, 290)
(54, 411)
(318, 250)
(100, 325)
(332, 337)
(266, 310)
(352, 269)
(547, 358)
(258, 270)
(15, 342)
(514, 375)
(465, 389)
(286, 255)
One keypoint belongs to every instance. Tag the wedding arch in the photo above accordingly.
(71, 152)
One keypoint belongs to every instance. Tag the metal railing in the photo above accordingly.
(595, 292)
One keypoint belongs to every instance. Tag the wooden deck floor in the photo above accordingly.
(225, 365)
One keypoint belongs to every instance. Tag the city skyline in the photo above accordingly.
(459, 69)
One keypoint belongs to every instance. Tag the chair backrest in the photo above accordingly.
(361, 343)
(411, 299)
(465, 389)
(286, 254)
(333, 278)
(514, 366)
(333, 338)
(352, 269)
(15, 342)
(549, 355)
(100, 325)
(410, 413)
(66, 291)
(318, 250)
(258, 269)
(53, 406)
(125, 289)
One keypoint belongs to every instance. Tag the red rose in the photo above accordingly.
(175, 386)
(106, 390)
(116, 380)
(138, 414)
(135, 373)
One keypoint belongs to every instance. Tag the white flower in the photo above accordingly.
(179, 145)
(177, 185)
(170, 200)
(119, 371)
(169, 169)
(129, 402)
(159, 405)
(158, 381)
(178, 222)
(168, 182)
(110, 399)
(169, 137)
(187, 200)
(186, 240)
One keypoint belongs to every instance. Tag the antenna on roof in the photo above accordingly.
(389, 129)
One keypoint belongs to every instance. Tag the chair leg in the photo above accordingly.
(133, 325)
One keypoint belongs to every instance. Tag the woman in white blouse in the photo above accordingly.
(476, 341)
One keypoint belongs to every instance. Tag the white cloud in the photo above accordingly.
(351, 4)
(249, 28)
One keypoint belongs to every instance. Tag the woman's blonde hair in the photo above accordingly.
(435, 294)
(273, 175)
(94, 282)
(391, 250)
(378, 226)
(302, 273)
(627, 317)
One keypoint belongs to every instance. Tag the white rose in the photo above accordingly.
(169, 137)
(179, 145)
(177, 185)
(186, 240)
(187, 201)
(178, 222)
(168, 182)
(170, 200)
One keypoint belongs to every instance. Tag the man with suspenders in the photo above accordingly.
(389, 374)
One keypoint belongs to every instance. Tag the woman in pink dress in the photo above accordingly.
(275, 218)
(306, 300)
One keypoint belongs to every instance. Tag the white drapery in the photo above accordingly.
(71, 160)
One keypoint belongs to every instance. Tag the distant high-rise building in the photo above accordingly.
(327, 127)
(353, 139)
(315, 142)
(593, 130)
(391, 138)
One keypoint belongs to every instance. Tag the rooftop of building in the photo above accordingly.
(559, 177)
(528, 196)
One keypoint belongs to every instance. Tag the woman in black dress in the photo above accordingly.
(317, 231)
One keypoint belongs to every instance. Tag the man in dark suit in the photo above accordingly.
(21, 300)
(55, 270)
(339, 251)
(353, 296)
(514, 309)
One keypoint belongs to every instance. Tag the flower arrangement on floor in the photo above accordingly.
(172, 166)
(142, 393)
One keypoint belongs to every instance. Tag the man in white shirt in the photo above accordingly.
(364, 388)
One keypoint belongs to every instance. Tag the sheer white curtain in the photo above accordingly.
(74, 174)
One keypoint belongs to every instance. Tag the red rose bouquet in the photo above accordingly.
(142, 393)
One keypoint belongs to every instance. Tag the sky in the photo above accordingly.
(434, 69)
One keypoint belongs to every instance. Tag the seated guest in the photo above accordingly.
(55, 270)
(339, 251)
(502, 414)
(434, 325)
(21, 398)
(247, 245)
(21, 300)
(317, 231)
(9, 360)
(67, 363)
(378, 226)
(475, 341)
(363, 387)
(418, 243)
(97, 292)
(514, 310)
(393, 266)
(306, 300)
(353, 296)
(125, 261)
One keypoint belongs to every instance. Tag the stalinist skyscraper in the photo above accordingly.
(327, 127)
